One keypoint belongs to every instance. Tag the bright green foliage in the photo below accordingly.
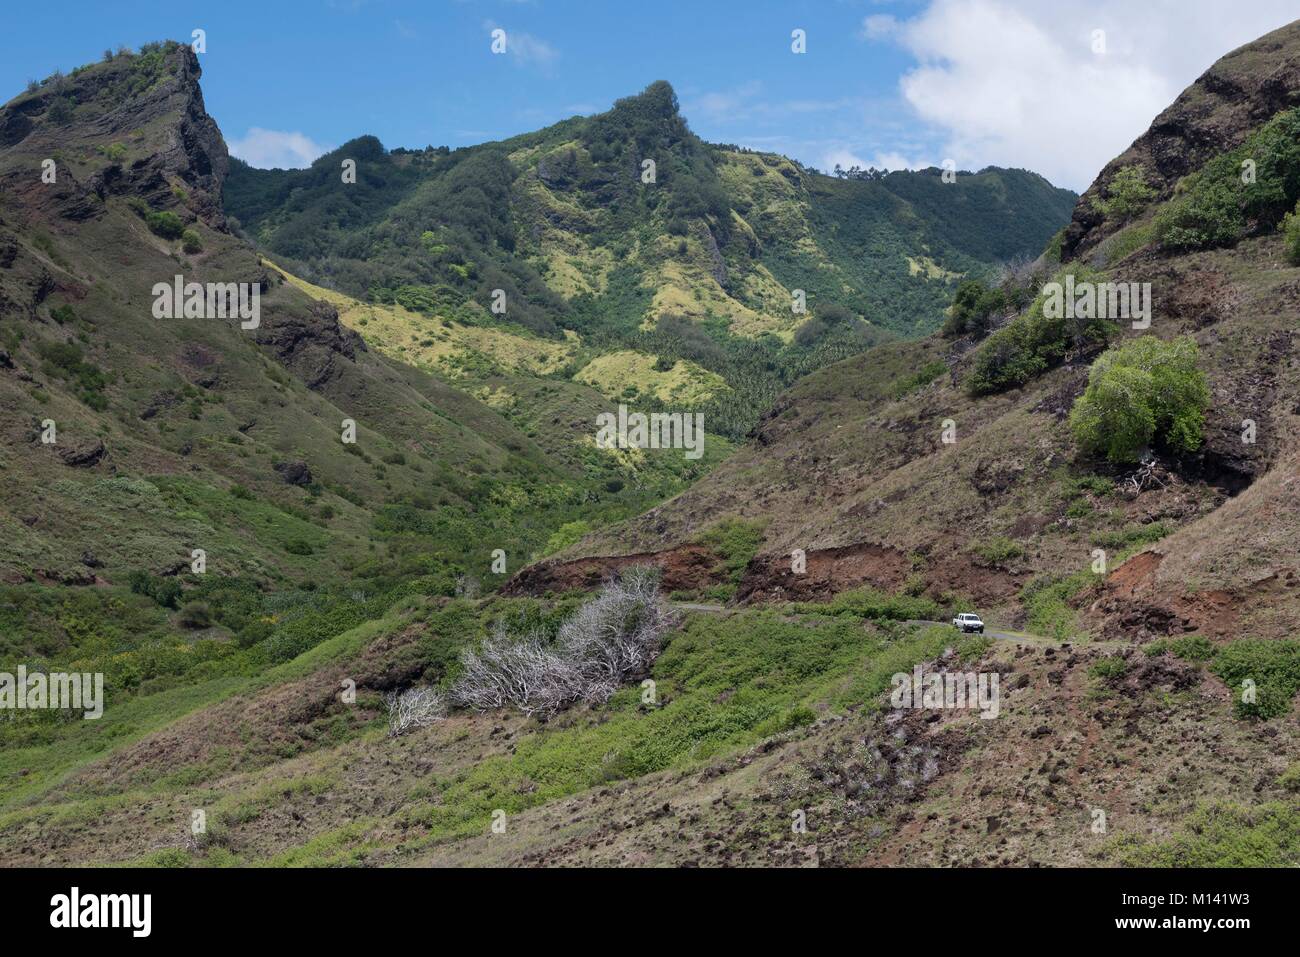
(165, 224)
(998, 550)
(1034, 342)
(875, 605)
(1291, 235)
(1273, 668)
(736, 540)
(1126, 195)
(1143, 391)
(190, 242)
(973, 306)
(1267, 835)
(1256, 183)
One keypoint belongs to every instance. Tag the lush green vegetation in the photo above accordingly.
(1291, 235)
(437, 231)
(873, 605)
(998, 550)
(1048, 599)
(1035, 341)
(1127, 194)
(1139, 394)
(1253, 186)
(1220, 835)
(736, 540)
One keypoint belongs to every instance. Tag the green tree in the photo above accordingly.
(1291, 236)
(1139, 392)
(1127, 194)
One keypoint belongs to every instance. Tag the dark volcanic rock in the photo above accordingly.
(294, 473)
(83, 456)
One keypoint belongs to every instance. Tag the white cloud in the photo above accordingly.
(525, 49)
(842, 158)
(879, 25)
(276, 149)
(1016, 82)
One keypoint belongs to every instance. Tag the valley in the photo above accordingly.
(370, 583)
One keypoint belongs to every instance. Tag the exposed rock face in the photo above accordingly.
(83, 456)
(294, 473)
(1215, 114)
(312, 345)
(191, 154)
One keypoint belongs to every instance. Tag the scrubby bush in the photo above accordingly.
(191, 242)
(1127, 194)
(1291, 235)
(613, 637)
(1253, 185)
(414, 708)
(998, 550)
(195, 615)
(1035, 342)
(973, 306)
(1143, 391)
(165, 224)
(1272, 669)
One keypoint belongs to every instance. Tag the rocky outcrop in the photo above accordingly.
(1215, 114)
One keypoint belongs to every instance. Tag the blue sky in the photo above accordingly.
(911, 82)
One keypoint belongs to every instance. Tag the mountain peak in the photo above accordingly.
(133, 123)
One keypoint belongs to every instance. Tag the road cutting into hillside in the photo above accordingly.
(1020, 638)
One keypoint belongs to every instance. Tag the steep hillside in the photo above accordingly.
(627, 234)
(851, 465)
(744, 718)
(187, 494)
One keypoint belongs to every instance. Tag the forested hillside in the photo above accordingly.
(628, 231)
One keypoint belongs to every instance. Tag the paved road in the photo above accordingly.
(998, 634)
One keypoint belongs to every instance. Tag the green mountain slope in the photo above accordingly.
(697, 259)
(948, 465)
(133, 443)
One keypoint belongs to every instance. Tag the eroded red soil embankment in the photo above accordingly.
(772, 578)
(1134, 601)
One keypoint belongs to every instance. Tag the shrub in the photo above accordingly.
(1291, 235)
(165, 224)
(414, 708)
(195, 615)
(1106, 669)
(1138, 392)
(998, 550)
(1218, 203)
(972, 306)
(191, 242)
(1035, 342)
(1272, 667)
(1127, 194)
(611, 638)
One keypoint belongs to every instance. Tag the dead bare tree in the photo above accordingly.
(612, 638)
(414, 708)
